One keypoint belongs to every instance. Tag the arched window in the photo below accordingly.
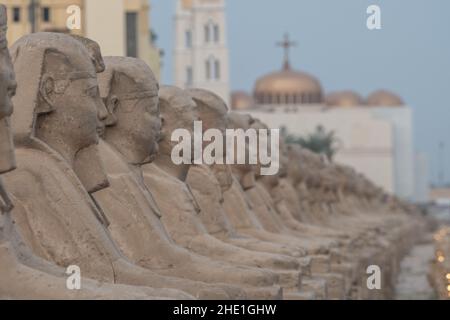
(212, 32)
(217, 69)
(216, 33)
(207, 70)
(188, 39)
(212, 68)
(207, 33)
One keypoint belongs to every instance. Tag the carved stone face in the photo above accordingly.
(7, 91)
(7, 80)
(178, 111)
(75, 111)
(74, 121)
(58, 103)
(7, 83)
(144, 123)
(134, 122)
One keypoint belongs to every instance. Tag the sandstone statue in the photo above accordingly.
(56, 125)
(130, 92)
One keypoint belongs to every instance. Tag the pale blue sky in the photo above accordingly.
(410, 55)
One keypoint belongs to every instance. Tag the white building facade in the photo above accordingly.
(200, 54)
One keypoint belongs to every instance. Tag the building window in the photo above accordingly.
(16, 14)
(132, 34)
(188, 39)
(212, 32)
(217, 69)
(189, 76)
(46, 14)
(207, 70)
(216, 33)
(207, 33)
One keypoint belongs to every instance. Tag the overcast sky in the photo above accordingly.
(410, 55)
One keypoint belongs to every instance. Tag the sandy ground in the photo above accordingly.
(413, 283)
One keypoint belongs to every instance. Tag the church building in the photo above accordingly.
(200, 57)
(374, 135)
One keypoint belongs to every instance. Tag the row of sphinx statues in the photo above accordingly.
(88, 181)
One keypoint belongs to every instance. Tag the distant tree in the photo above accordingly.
(320, 141)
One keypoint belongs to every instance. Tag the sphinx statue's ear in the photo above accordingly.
(111, 103)
(46, 90)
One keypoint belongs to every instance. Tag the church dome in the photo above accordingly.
(288, 87)
(344, 99)
(241, 100)
(384, 98)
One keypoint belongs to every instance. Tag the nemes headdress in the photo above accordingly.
(140, 80)
(28, 55)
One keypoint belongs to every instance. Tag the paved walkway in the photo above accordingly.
(413, 283)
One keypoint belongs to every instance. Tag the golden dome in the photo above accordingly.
(288, 87)
(344, 99)
(384, 98)
(241, 100)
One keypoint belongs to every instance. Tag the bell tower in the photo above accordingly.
(200, 51)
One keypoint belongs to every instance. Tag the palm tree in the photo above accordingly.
(319, 141)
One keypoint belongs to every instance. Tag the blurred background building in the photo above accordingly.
(121, 27)
(200, 57)
(374, 135)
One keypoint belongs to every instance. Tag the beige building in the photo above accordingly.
(121, 27)
(200, 56)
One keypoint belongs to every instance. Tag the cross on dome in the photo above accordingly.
(286, 44)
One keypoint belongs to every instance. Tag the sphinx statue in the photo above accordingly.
(209, 183)
(56, 129)
(273, 211)
(235, 206)
(193, 234)
(24, 275)
(129, 143)
(376, 237)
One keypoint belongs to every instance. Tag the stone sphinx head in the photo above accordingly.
(213, 112)
(130, 92)
(244, 172)
(58, 102)
(178, 112)
(7, 90)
